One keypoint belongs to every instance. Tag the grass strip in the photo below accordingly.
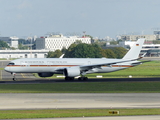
(86, 87)
(59, 113)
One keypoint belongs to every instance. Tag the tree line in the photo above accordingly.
(3, 45)
(83, 50)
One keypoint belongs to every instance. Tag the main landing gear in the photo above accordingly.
(72, 78)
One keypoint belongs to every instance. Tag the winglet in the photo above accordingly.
(134, 52)
(61, 56)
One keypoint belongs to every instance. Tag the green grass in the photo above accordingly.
(8, 58)
(1, 68)
(59, 113)
(86, 87)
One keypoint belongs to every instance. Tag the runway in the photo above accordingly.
(33, 80)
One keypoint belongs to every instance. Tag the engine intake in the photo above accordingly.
(72, 72)
(45, 74)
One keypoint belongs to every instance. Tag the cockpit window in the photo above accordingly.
(10, 63)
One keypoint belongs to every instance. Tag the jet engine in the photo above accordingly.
(45, 74)
(72, 72)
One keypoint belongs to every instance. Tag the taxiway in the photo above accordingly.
(153, 117)
(78, 100)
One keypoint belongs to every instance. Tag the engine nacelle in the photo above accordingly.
(45, 74)
(72, 72)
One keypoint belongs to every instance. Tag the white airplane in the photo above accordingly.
(73, 67)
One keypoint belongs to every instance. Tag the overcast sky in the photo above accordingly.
(99, 18)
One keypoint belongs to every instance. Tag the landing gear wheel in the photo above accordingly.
(69, 78)
(83, 78)
(14, 76)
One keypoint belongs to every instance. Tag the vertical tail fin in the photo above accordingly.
(134, 52)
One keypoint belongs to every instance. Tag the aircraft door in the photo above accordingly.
(23, 64)
(89, 62)
(48, 63)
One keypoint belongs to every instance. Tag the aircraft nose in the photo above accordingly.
(6, 69)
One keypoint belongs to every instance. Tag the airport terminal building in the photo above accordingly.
(151, 50)
(8, 54)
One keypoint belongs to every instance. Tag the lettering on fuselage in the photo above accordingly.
(56, 62)
(33, 62)
(42, 62)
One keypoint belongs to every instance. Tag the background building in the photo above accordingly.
(8, 54)
(155, 36)
(151, 50)
(55, 42)
(136, 37)
(11, 41)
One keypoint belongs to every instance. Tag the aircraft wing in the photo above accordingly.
(88, 67)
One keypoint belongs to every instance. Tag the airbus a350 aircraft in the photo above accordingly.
(72, 67)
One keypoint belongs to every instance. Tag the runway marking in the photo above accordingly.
(1, 75)
(23, 75)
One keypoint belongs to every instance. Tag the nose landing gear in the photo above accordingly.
(14, 76)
